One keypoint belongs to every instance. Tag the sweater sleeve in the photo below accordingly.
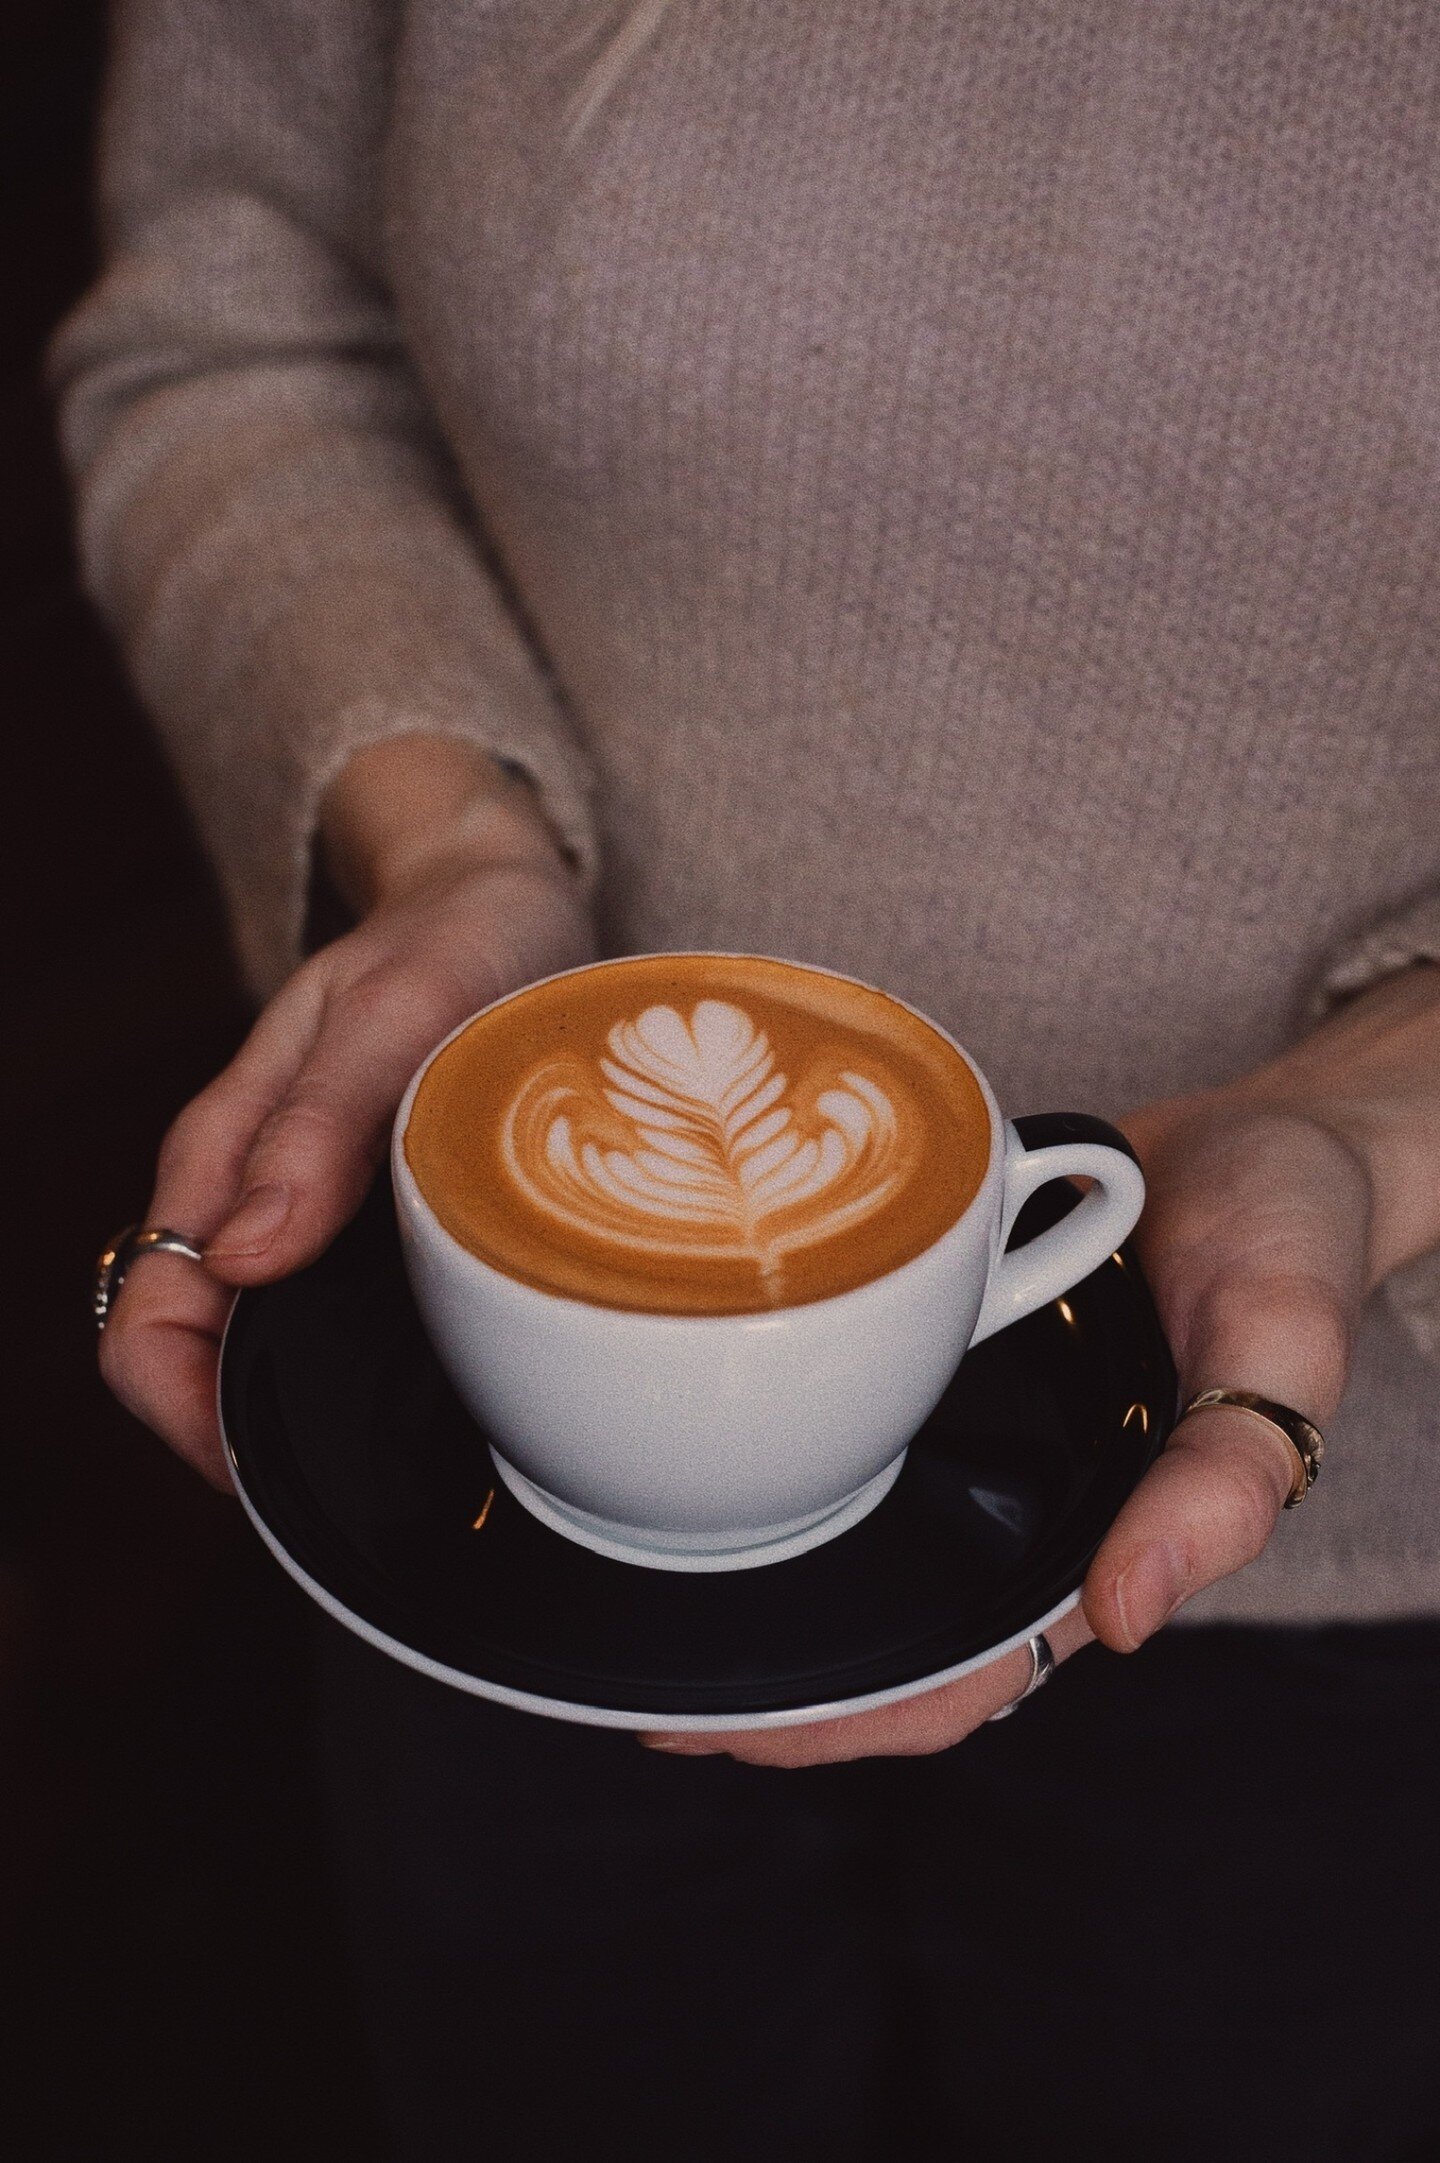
(268, 517)
(1397, 941)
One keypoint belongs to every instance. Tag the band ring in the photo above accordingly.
(1305, 1439)
(1042, 1667)
(125, 1249)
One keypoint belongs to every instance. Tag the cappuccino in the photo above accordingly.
(698, 1134)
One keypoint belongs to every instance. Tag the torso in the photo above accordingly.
(974, 473)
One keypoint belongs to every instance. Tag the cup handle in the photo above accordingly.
(1057, 1145)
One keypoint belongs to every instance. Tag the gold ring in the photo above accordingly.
(1305, 1439)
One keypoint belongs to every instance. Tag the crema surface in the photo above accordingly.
(698, 1135)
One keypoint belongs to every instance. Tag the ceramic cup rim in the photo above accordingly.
(405, 1179)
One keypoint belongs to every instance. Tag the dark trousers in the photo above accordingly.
(1185, 1905)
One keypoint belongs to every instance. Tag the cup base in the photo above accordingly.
(697, 1551)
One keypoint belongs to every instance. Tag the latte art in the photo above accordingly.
(687, 1139)
(697, 1134)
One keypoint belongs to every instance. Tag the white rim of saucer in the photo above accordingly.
(653, 1723)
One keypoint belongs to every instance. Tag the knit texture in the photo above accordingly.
(948, 493)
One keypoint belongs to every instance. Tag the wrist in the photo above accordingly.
(1370, 1075)
(404, 809)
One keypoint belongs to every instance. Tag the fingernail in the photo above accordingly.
(254, 1223)
(1148, 1591)
(680, 1745)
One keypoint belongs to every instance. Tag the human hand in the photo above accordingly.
(1272, 1208)
(464, 899)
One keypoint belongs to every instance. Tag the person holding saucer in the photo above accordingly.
(942, 496)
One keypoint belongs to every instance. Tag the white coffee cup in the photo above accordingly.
(723, 1441)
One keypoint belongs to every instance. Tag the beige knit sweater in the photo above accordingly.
(947, 491)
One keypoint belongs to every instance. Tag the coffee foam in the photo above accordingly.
(698, 1134)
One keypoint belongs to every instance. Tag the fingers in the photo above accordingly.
(203, 1157)
(1282, 1331)
(263, 1168)
(1254, 1239)
(918, 1727)
(159, 1354)
(1205, 1510)
(160, 1348)
(379, 1001)
(267, 1164)
(308, 1166)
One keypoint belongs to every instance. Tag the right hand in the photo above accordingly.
(267, 1163)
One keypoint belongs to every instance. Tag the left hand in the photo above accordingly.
(1273, 1206)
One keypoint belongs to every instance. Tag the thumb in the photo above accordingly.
(1210, 1504)
(1254, 1239)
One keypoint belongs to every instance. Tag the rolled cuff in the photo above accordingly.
(1396, 942)
(266, 872)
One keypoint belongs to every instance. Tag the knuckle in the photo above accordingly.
(410, 1000)
(442, 995)
(1301, 1315)
(305, 1126)
(1242, 1491)
(205, 1128)
(1311, 1313)
(1250, 1510)
(367, 999)
(183, 1140)
(312, 975)
(1329, 1335)
(314, 1144)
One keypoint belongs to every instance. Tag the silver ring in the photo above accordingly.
(1042, 1667)
(125, 1249)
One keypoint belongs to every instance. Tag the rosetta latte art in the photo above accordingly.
(686, 1140)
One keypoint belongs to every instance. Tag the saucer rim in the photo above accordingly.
(607, 1716)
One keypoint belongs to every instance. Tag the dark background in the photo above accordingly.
(176, 1980)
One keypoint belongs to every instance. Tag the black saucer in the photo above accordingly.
(375, 1490)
